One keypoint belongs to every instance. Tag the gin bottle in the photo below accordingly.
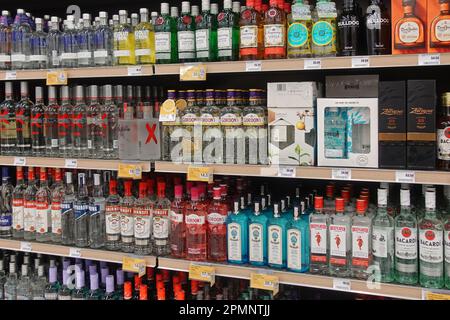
(217, 228)
(251, 33)
(67, 214)
(50, 126)
(23, 121)
(51, 289)
(38, 57)
(142, 213)
(361, 241)
(97, 225)
(11, 283)
(8, 124)
(196, 229)
(85, 37)
(340, 241)
(65, 115)
(43, 209)
(298, 240)
(124, 41)
(378, 28)
(228, 32)
(383, 239)
(145, 40)
(237, 236)
(69, 45)
(113, 218)
(6, 214)
(30, 207)
(319, 222)
(18, 205)
(277, 243)
(5, 42)
(80, 291)
(21, 32)
(299, 30)
(431, 246)
(210, 120)
(79, 124)
(231, 121)
(257, 233)
(54, 45)
(57, 194)
(127, 218)
(254, 121)
(161, 222)
(109, 125)
(189, 118)
(336, 133)
(406, 261)
(24, 286)
(103, 40)
(324, 29)
(166, 44)
(37, 124)
(177, 233)
(94, 125)
(81, 213)
(349, 30)
(206, 34)
(274, 25)
(186, 34)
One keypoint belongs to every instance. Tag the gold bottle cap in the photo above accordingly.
(446, 99)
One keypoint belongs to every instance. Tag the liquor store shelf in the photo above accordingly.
(317, 173)
(63, 251)
(68, 163)
(330, 63)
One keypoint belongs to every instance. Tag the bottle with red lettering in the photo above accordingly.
(340, 241)
(127, 219)
(217, 228)
(177, 225)
(275, 31)
(113, 218)
(195, 218)
(319, 222)
(251, 33)
(361, 241)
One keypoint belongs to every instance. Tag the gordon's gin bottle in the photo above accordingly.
(195, 218)
(217, 228)
(177, 224)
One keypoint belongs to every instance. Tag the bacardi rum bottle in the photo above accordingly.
(361, 241)
(30, 207)
(57, 198)
(217, 228)
(113, 218)
(37, 124)
(161, 222)
(195, 218)
(23, 115)
(18, 205)
(142, 213)
(127, 218)
(43, 209)
(177, 225)
(340, 241)
(319, 222)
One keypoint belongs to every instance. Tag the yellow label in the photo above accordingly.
(57, 78)
(200, 173)
(264, 282)
(131, 264)
(436, 296)
(181, 104)
(130, 171)
(168, 111)
(202, 273)
(195, 72)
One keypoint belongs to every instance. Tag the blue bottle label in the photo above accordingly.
(256, 242)
(66, 206)
(80, 210)
(275, 245)
(234, 242)
(6, 220)
(294, 252)
(322, 33)
(297, 35)
(94, 209)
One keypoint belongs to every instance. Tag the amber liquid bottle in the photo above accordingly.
(409, 30)
(251, 34)
(440, 27)
(443, 134)
(275, 31)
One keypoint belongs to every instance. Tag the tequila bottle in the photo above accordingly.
(228, 32)
(43, 209)
(97, 225)
(18, 205)
(237, 236)
(231, 121)
(110, 130)
(124, 41)
(11, 283)
(439, 25)
(319, 222)
(335, 133)
(299, 30)
(340, 241)
(142, 213)
(67, 212)
(8, 122)
(145, 40)
(23, 121)
(113, 218)
(79, 124)
(361, 241)
(161, 222)
(21, 32)
(5, 42)
(50, 126)
(378, 28)
(103, 40)
(166, 44)
(254, 121)
(37, 124)
(257, 233)
(206, 34)
(85, 38)
(177, 233)
(186, 34)
(54, 38)
(94, 125)
(217, 229)
(30, 207)
(57, 195)
(38, 48)
(275, 31)
(24, 285)
(51, 289)
(349, 30)
(69, 45)
(65, 115)
(251, 33)
(409, 32)
(323, 32)
(127, 218)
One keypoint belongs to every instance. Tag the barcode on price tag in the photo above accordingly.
(253, 66)
(135, 71)
(20, 161)
(71, 163)
(429, 59)
(75, 252)
(405, 177)
(360, 62)
(342, 284)
(341, 174)
(312, 64)
(26, 246)
(287, 172)
(10, 75)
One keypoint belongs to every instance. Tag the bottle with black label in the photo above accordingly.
(349, 29)
(378, 28)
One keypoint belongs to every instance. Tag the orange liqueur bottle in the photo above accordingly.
(440, 27)
(250, 33)
(409, 30)
(275, 31)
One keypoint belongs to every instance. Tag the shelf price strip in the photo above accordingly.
(130, 171)
(200, 173)
(202, 272)
(193, 72)
(429, 59)
(264, 281)
(133, 264)
(341, 174)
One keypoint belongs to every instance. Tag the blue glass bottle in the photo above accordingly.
(336, 133)
(20, 41)
(54, 44)
(257, 231)
(237, 236)
(298, 241)
(38, 57)
(5, 42)
(69, 45)
(277, 239)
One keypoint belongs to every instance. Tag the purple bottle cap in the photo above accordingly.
(231, 94)
(171, 95)
(52, 274)
(66, 264)
(191, 95)
(104, 272)
(119, 275)
(110, 284)
(254, 95)
(79, 279)
(209, 94)
(92, 269)
(65, 276)
(94, 281)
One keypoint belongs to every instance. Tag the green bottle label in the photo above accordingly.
(322, 33)
(297, 35)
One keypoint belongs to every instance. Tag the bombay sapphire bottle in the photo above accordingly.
(54, 44)
(20, 41)
(103, 38)
(237, 236)
(38, 57)
(5, 42)
(298, 241)
(277, 239)
(86, 43)
(69, 45)
(336, 133)
(258, 237)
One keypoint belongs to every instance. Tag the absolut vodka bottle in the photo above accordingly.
(54, 45)
(86, 43)
(5, 42)
(65, 112)
(80, 210)
(94, 124)
(109, 125)
(38, 57)
(8, 139)
(20, 41)
(79, 124)
(37, 124)
(6, 193)
(103, 39)
(67, 214)
(97, 203)
(69, 45)
(23, 115)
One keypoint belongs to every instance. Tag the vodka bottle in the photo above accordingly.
(6, 192)
(340, 241)
(51, 289)
(64, 293)
(361, 241)
(67, 214)
(54, 45)
(24, 285)
(18, 205)
(65, 112)
(103, 40)
(319, 222)
(113, 218)
(51, 124)
(57, 195)
(97, 224)
(43, 209)
(39, 284)
(79, 124)
(20, 45)
(124, 41)
(69, 45)
(161, 222)
(142, 213)
(94, 124)
(38, 57)
(177, 233)
(85, 38)
(127, 219)
(8, 137)
(23, 121)
(81, 213)
(110, 130)
(5, 42)
(11, 283)
(37, 124)
(30, 207)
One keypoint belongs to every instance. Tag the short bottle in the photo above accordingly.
(237, 236)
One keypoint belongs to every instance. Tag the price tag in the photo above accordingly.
(435, 295)
(57, 78)
(135, 71)
(132, 264)
(264, 282)
(75, 252)
(200, 173)
(202, 272)
(168, 111)
(405, 176)
(287, 172)
(313, 64)
(26, 246)
(341, 174)
(342, 284)
(253, 66)
(130, 171)
(194, 72)
(360, 62)
(71, 163)
(10, 75)
(433, 59)
(20, 161)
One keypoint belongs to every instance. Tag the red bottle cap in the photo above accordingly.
(176, 280)
(262, 8)
(58, 175)
(143, 292)
(127, 291)
(150, 273)
(360, 205)
(137, 282)
(42, 174)
(189, 185)
(273, 3)
(180, 295)
(178, 191)
(160, 179)
(330, 190)
(365, 198)
(161, 189)
(127, 185)
(161, 294)
(194, 194)
(142, 189)
(217, 193)
(250, 3)
(159, 277)
(318, 202)
(340, 205)
(346, 195)
(19, 173)
(113, 187)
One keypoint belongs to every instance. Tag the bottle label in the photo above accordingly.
(68, 56)
(100, 54)
(215, 218)
(406, 243)
(360, 246)
(442, 30)
(28, 216)
(409, 32)
(294, 249)
(160, 227)
(121, 53)
(230, 119)
(322, 33)
(38, 58)
(249, 37)
(443, 139)
(252, 119)
(202, 40)
(209, 120)
(338, 244)
(186, 41)
(84, 55)
(17, 211)
(42, 217)
(142, 35)
(163, 42)
(176, 217)
(193, 219)
(224, 38)
(274, 35)
(112, 219)
(301, 12)
(318, 241)
(142, 223)
(256, 245)
(297, 35)
(80, 210)
(382, 244)
(275, 245)
(431, 246)
(234, 242)
(56, 218)
(126, 222)
(189, 119)
(121, 36)
(5, 222)
(142, 52)
(5, 58)
(447, 246)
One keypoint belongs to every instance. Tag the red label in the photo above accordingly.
(406, 232)
(430, 235)
(160, 212)
(447, 132)
(187, 20)
(272, 13)
(126, 210)
(56, 206)
(112, 209)
(360, 262)
(221, 16)
(338, 261)
(141, 212)
(41, 205)
(249, 51)
(319, 259)
(159, 21)
(17, 202)
(198, 19)
(30, 204)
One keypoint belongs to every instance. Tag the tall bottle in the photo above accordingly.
(38, 49)
(21, 32)
(57, 195)
(319, 222)
(65, 115)
(298, 247)
(177, 233)
(43, 209)
(11, 283)
(103, 41)
(166, 36)
(5, 42)
(54, 46)
(378, 28)
(186, 34)
(24, 285)
(275, 31)
(206, 34)
(251, 33)
(69, 45)
(94, 125)
(8, 138)
(110, 125)
(18, 205)
(85, 39)
(340, 241)
(447, 246)
(127, 218)
(299, 30)
(231, 121)
(217, 229)
(30, 207)
(237, 236)
(81, 213)
(361, 241)
(97, 223)
(67, 212)
(145, 39)
(37, 124)
(79, 124)
(161, 222)
(257, 233)
(349, 30)
(23, 121)
(113, 218)
(324, 29)
(124, 41)
(142, 213)
(228, 32)
(277, 244)
(6, 214)
(50, 126)
(196, 228)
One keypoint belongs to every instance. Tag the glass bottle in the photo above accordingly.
(443, 134)
(94, 293)
(67, 212)
(38, 48)
(166, 36)
(79, 124)
(409, 32)
(11, 283)
(323, 32)
(65, 115)
(231, 121)
(54, 39)
(336, 133)
(42, 218)
(228, 32)
(349, 30)
(378, 28)
(299, 31)
(8, 124)
(142, 213)
(190, 116)
(97, 224)
(21, 32)
(275, 31)
(177, 224)
(79, 293)
(257, 233)
(24, 285)
(254, 121)
(277, 244)
(237, 236)
(81, 213)
(103, 41)
(145, 40)
(447, 247)
(23, 121)
(127, 218)
(18, 205)
(298, 240)
(6, 214)
(196, 229)
(186, 34)
(37, 124)
(113, 218)
(50, 126)
(69, 45)
(217, 229)
(361, 241)
(85, 39)
(57, 195)
(210, 120)
(52, 287)
(30, 207)
(319, 222)
(39, 284)
(124, 41)
(439, 36)
(110, 293)
(110, 125)
(94, 124)
(340, 241)
(5, 42)
(251, 33)
(206, 34)
(161, 222)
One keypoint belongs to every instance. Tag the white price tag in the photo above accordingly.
(405, 176)
(287, 172)
(432, 59)
(71, 163)
(341, 174)
(342, 284)
(75, 252)
(135, 71)
(20, 161)
(253, 66)
(26, 246)
(312, 64)
(360, 62)
(10, 75)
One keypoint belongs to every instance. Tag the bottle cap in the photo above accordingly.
(143, 11)
(405, 197)
(112, 186)
(237, 7)
(185, 7)
(330, 190)
(214, 8)
(174, 12)
(227, 4)
(127, 290)
(120, 277)
(346, 195)
(110, 284)
(123, 13)
(103, 14)
(318, 202)
(340, 204)
(206, 5)
(94, 281)
(360, 205)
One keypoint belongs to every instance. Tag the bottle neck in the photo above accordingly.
(144, 17)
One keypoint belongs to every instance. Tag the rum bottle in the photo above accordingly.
(443, 134)
(275, 31)
(299, 30)
(409, 32)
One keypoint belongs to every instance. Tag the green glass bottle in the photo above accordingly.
(206, 34)
(228, 32)
(166, 36)
(299, 31)
(186, 34)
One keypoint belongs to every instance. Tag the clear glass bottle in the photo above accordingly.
(52, 287)
(340, 241)
(299, 30)
(124, 41)
(79, 124)
(18, 208)
(65, 115)
(142, 213)
(11, 283)
(69, 45)
(24, 285)
(38, 56)
(196, 229)
(5, 42)
(21, 32)
(237, 236)
(97, 224)
(110, 125)
(254, 121)
(57, 194)
(38, 285)
(51, 124)
(81, 213)
(217, 228)
(361, 241)
(145, 40)
(30, 207)
(161, 222)
(37, 124)
(190, 116)
(177, 234)
(6, 214)
(94, 293)
(166, 43)
(54, 38)
(94, 125)
(113, 218)
(323, 32)
(85, 39)
(127, 218)
(103, 41)
(23, 121)
(319, 222)
(43, 209)
(231, 121)
(186, 34)
(8, 137)
(67, 212)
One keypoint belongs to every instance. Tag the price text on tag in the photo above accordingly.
(264, 282)
(26, 246)
(202, 273)
(57, 78)
(10, 75)
(200, 173)
(135, 71)
(75, 252)
(360, 62)
(341, 174)
(287, 172)
(71, 163)
(342, 284)
(405, 176)
(196, 72)
(20, 161)
(134, 265)
(312, 64)
(433, 59)
(253, 66)
(130, 171)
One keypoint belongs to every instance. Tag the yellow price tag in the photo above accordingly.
(202, 273)
(131, 264)
(429, 295)
(168, 111)
(194, 72)
(264, 282)
(200, 173)
(57, 78)
(130, 171)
